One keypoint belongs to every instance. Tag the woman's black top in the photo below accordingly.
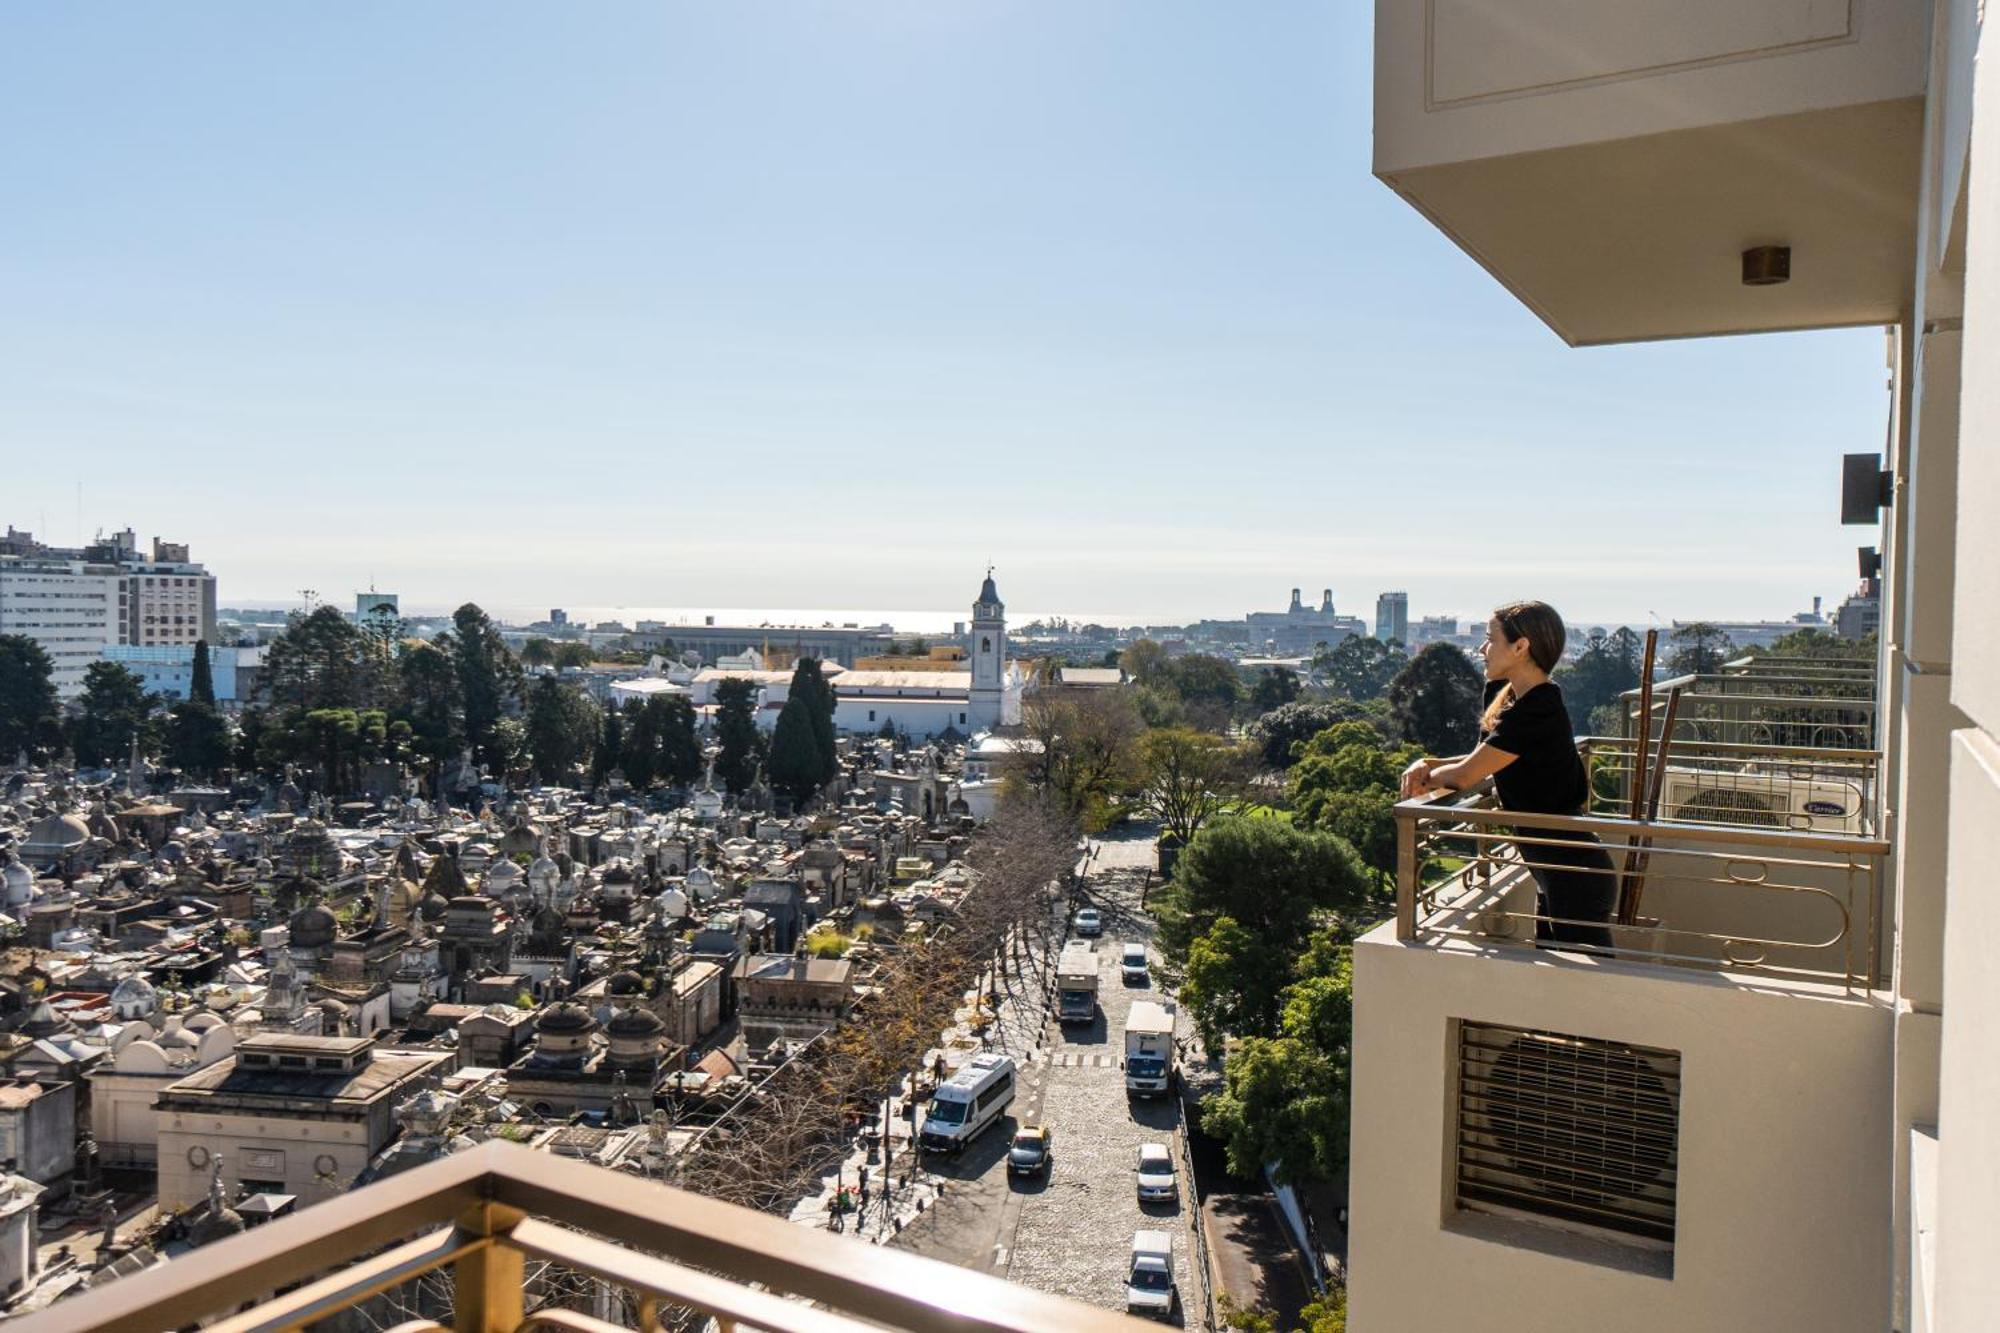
(1546, 777)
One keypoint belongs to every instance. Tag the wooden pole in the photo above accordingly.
(1634, 887)
(1640, 754)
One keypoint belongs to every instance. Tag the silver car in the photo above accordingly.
(1156, 1175)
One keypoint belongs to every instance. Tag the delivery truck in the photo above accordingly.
(1076, 983)
(1149, 1048)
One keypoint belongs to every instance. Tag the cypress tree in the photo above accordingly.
(810, 687)
(736, 729)
(201, 690)
(795, 756)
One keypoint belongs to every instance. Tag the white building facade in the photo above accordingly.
(76, 603)
(73, 608)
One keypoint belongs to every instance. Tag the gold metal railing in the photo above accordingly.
(1803, 788)
(482, 1213)
(1818, 668)
(1786, 902)
(1814, 711)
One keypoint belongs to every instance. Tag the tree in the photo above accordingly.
(1347, 781)
(1278, 732)
(330, 738)
(796, 762)
(736, 731)
(1190, 777)
(1083, 749)
(1233, 983)
(1699, 648)
(562, 723)
(1274, 879)
(1436, 700)
(573, 655)
(660, 744)
(1143, 660)
(432, 706)
(30, 718)
(1210, 688)
(252, 735)
(1286, 1099)
(1593, 684)
(198, 740)
(1159, 703)
(1820, 646)
(1361, 668)
(610, 751)
(810, 688)
(509, 746)
(201, 684)
(537, 652)
(1275, 687)
(489, 683)
(680, 750)
(324, 660)
(115, 710)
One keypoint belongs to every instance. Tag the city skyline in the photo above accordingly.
(694, 303)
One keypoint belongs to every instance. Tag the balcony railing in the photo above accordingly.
(1787, 901)
(1821, 708)
(654, 1256)
(1807, 789)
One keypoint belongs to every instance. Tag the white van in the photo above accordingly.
(972, 1099)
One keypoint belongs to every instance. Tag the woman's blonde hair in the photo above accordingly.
(1538, 623)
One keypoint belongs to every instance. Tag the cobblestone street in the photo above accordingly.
(1072, 1234)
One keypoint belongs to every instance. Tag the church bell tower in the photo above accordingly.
(986, 646)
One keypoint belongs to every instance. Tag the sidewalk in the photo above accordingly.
(1019, 1023)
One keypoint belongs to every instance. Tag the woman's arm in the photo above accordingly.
(1417, 777)
(1473, 769)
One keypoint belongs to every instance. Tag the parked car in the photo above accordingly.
(1149, 1280)
(1132, 965)
(1031, 1153)
(1089, 922)
(1156, 1174)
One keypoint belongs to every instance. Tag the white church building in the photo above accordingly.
(923, 704)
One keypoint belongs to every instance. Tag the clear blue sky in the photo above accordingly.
(829, 304)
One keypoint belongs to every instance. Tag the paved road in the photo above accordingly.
(1072, 1234)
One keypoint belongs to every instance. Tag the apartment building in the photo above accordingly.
(72, 608)
(169, 599)
(1769, 1106)
(76, 602)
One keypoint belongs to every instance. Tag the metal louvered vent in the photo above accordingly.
(1572, 1129)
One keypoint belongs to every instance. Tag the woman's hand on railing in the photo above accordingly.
(1417, 777)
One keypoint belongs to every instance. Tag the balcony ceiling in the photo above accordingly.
(1641, 237)
(1610, 160)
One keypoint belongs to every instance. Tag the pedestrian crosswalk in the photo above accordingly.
(1082, 1060)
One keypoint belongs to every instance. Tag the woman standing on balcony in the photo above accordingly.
(1527, 747)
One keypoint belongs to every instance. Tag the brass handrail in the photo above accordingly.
(496, 1202)
(1735, 859)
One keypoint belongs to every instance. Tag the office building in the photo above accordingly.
(1392, 617)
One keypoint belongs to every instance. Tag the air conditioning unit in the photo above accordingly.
(1763, 800)
(1573, 1130)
